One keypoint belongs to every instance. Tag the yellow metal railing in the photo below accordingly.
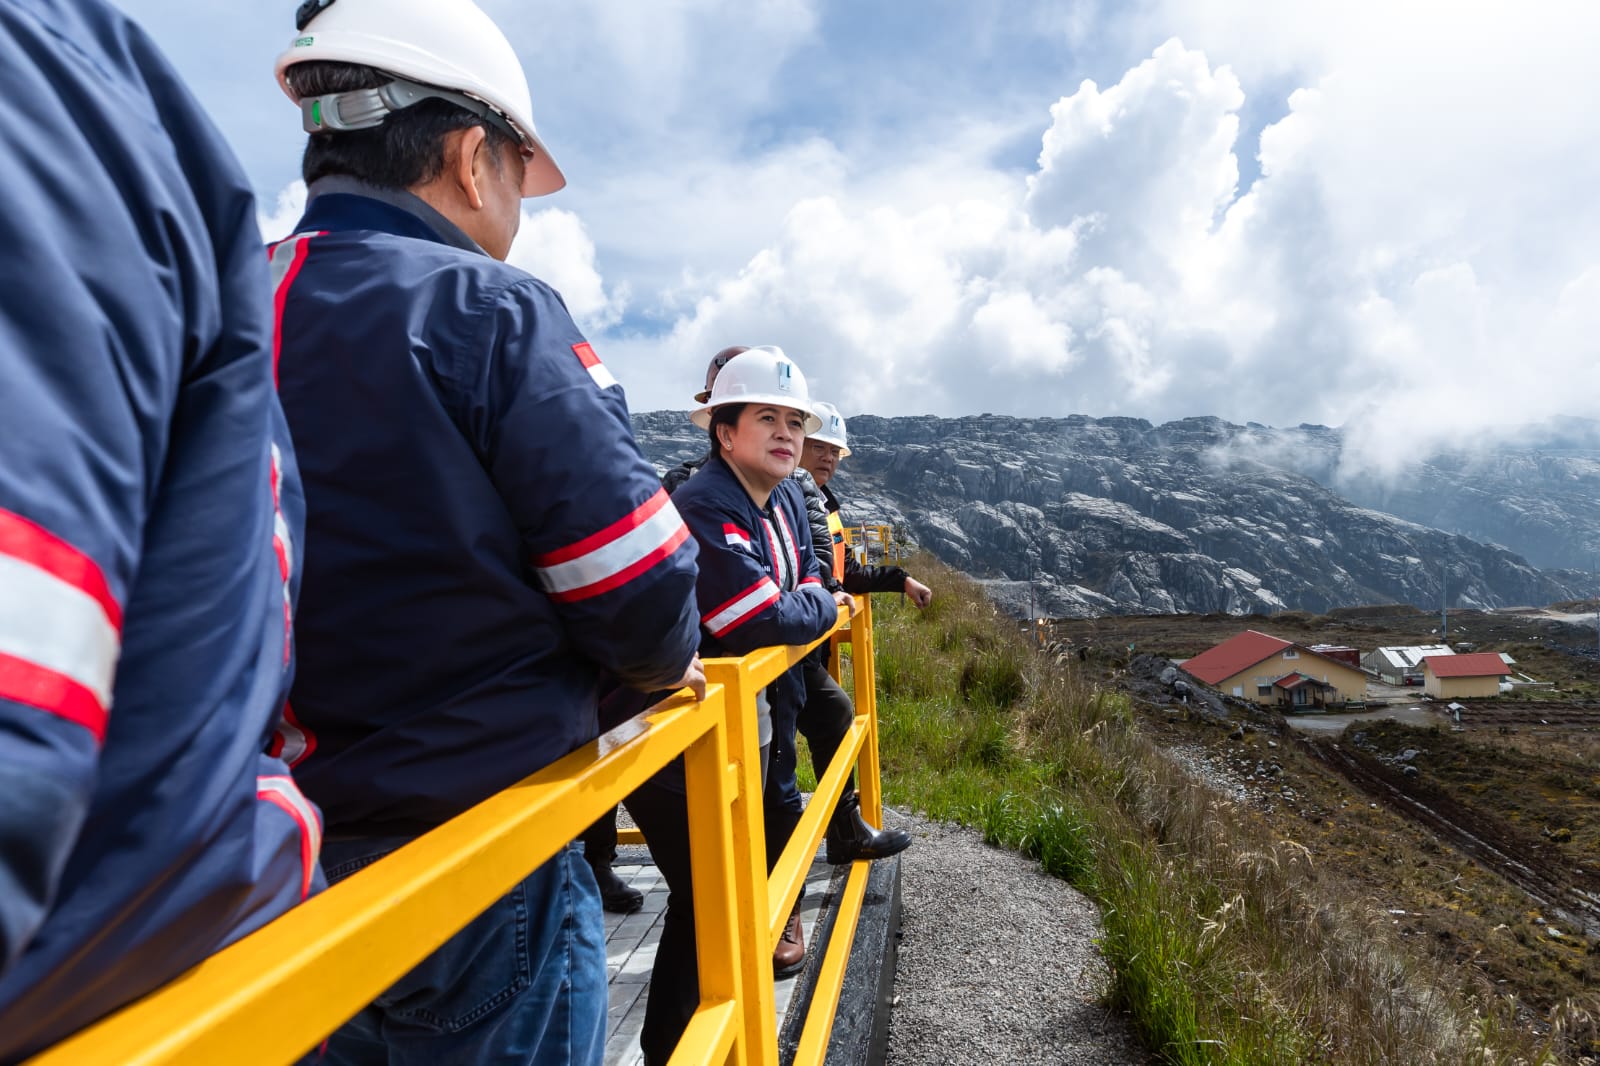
(277, 993)
(867, 539)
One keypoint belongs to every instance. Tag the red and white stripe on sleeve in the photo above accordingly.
(60, 626)
(749, 603)
(285, 795)
(284, 260)
(614, 556)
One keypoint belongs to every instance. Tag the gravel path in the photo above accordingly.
(997, 962)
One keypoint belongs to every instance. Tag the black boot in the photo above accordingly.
(851, 839)
(616, 895)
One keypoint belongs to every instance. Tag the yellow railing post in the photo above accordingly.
(866, 698)
(712, 785)
(749, 869)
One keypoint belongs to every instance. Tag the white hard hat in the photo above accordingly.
(832, 431)
(759, 375)
(444, 44)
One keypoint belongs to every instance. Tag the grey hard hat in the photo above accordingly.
(718, 361)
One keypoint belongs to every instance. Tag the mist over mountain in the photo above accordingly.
(1116, 515)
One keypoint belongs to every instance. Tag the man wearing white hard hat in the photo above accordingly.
(824, 449)
(828, 709)
(759, 585)
(483, 536)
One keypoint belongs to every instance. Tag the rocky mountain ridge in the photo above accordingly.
(1116, 515)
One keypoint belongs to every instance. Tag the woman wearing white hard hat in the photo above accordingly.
(759, 585)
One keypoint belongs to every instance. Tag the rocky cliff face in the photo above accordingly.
(1115, 515)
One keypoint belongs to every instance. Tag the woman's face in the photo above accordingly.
(765, 443)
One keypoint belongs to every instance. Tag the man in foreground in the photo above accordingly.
(483, 535)
(150, 518)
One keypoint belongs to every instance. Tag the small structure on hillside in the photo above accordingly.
(1401, 666)
(1275, 672)
(1455, 677)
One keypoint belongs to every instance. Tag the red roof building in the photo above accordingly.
(1236, 654)
(1456, 677)
(1270, 670)
(1477, 664)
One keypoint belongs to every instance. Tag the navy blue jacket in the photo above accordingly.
(483, 536)
(149, 523)
(759, 582)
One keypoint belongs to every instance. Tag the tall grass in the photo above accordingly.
(1224, 945)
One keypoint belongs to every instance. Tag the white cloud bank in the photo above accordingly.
(1419, 258)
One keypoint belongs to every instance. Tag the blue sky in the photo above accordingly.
(1375, 215)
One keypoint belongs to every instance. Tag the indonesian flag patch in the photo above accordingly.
(591, 363)
(736, 537)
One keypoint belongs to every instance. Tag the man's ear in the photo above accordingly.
(466, 163)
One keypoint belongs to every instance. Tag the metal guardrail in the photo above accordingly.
(274, 995)
(872, 542)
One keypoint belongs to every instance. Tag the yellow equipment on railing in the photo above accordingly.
(277, 993)
(865, 540)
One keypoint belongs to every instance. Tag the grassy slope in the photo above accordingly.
(1225, 944)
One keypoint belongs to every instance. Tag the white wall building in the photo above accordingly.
(1394, 665)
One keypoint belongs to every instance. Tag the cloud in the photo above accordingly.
(553, 246)
(1044, 293)
(1416, 270)
(278, 221)
(1375, 215)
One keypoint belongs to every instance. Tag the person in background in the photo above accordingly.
(150, 521)
(820, 459)
(483, 536)
(828, 711)
(759, 585)
(826, 715)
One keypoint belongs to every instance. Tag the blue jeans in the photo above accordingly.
(524, 983)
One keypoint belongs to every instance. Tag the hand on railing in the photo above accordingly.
(845, 600)
(693, 678)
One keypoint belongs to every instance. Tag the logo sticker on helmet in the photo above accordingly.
(785, 376)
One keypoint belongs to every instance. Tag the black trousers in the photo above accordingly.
(662, 812)
(824, 719)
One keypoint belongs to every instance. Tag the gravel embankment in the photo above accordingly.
(997, 962)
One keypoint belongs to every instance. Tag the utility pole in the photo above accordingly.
(1444, 607)
(1033, 624)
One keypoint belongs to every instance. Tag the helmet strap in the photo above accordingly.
(362, 109)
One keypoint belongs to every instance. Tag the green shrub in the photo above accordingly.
(993, 679)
